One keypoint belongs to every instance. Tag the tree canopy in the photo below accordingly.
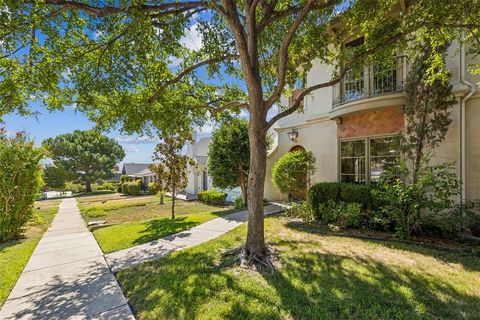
(86, 154)
(229, 156)
(127, 62)
(56, 177)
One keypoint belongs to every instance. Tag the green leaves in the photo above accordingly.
(229, 155)
(292, 172)
(87, 155)
(21, 180)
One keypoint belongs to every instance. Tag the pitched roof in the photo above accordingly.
(202, 160)
(130, 169)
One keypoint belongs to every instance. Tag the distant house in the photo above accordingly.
(198, 177)
(139, 171)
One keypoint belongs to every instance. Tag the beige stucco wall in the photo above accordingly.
(449, 149)
(318, 137)
(472, 137)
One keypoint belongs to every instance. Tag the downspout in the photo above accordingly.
(463, 103)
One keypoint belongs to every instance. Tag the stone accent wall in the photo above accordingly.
(371, 123)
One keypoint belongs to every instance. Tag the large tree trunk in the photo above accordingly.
(88, 186)
(255, 248)
(243, 185)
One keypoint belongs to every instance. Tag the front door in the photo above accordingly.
(204, 180)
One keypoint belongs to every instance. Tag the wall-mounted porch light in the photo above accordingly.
(293, 135)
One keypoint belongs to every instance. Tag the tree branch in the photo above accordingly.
(106, 10)
(283, 53)
(188, 70)
(227, 106)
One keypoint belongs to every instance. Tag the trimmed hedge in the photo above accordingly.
(212, 197)
(134, 188)
(325, 192)
(125, 188)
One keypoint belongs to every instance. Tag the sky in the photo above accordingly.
(51, 124)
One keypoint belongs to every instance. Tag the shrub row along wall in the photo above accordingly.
(323, 192)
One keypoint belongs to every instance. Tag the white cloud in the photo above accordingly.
(132, 149)
(136, 140)
(192, 39)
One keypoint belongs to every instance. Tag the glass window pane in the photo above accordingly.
(352, 178)
(383, 154)
(352, 161)
(386, 146)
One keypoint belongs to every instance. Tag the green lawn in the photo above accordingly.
(14, 255)
(320, 276)
(143, 219)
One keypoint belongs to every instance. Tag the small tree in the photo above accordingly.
(433, 190)
(428, 108)
(56, 177)
(21, 180)
(172, 167)
(229, 156)
(292, 173)
(86, 154)
(414, 185)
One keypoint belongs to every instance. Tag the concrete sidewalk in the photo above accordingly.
(67, 276)
(127, 258)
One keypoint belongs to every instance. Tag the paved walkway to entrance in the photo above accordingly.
(212, 229)
(67, 276)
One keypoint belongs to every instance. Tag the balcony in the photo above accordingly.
(373, 81)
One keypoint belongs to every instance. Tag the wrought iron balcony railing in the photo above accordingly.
(374, 80)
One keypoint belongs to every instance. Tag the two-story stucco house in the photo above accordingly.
(349, 127)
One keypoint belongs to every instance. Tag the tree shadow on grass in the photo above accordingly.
(470, 261)
(325, 285)
(159, 228)
(309, 285)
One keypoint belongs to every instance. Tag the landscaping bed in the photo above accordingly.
(141, 220)
(319, 276)
(14, 255)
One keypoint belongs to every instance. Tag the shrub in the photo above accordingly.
(134, 188)
(350, 215)
(324, 192)
(21, 179)
(105, 186)
(125, 188)
(301, 210)
(432, 193)
(342, 214)
(154, 188)
(357, 193)
(292, 172)
(212, 197)
(238, 203)
(74, 187)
